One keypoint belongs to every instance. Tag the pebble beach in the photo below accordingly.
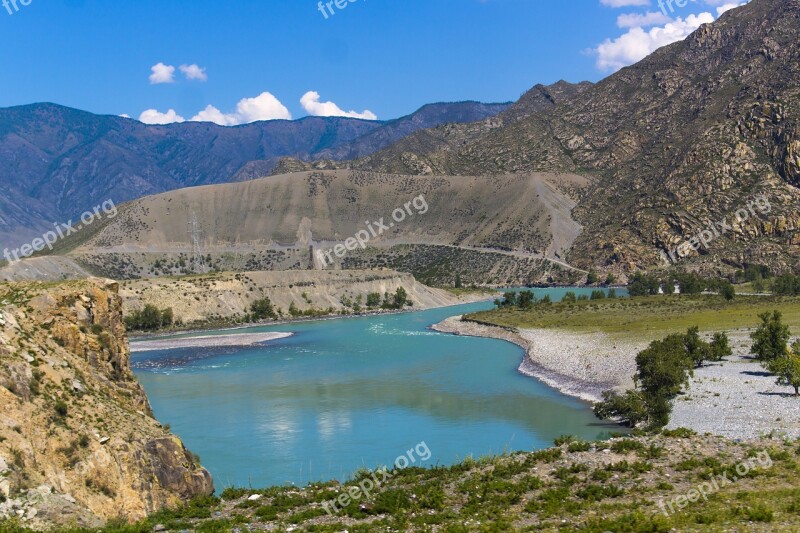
(734, 399)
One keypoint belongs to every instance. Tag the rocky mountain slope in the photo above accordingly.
(694, 131)
(504, 227)
(78, 441)
(56, 162)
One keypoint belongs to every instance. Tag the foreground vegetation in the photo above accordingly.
(624, 484)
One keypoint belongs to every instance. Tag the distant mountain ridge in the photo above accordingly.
(56, 161)
(690, 133)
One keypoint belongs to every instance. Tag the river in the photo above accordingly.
(348, 393)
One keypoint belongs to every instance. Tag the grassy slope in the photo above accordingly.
(605, 486)
(652, 316)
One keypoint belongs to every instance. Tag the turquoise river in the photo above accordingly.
(349, 393)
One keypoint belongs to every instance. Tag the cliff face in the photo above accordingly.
(78, 441)
(226, 296)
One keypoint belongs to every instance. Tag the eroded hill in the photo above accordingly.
(485, 228)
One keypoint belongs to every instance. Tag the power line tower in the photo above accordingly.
(195, 232)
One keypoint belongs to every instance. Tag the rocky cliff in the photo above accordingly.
(78, 441)
(222, 296)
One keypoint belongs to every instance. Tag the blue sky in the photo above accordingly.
(256, 59)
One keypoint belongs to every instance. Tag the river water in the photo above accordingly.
(355, 392)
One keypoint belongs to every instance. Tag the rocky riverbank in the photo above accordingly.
(734, 399)
(577, 364)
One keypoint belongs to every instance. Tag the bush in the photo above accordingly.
(61, 408)
(786, 285)
(643, 285)
(727, 291)
(373, 299)
(149, 318)
(262, 309)
(629, 407)
(771, 339)
(787, 368)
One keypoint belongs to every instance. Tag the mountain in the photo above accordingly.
(487, 229)
(103, 455)
(56, 162)
(693, 132)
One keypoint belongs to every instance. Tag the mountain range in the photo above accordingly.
(56, 162)
(667, 148)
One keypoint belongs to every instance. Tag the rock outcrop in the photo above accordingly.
(78, 441)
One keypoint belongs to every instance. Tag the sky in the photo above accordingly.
(237, 61)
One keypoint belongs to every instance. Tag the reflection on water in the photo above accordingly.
(342, 394)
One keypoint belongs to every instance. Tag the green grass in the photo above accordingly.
(551, 490)
(649, 317)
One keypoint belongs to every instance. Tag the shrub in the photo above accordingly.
(61, 408)
(771, 338)
(262, 309)
(149, 318)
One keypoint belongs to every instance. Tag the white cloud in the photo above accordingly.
(162, 74)
(263, 107)
(312, 105)
(153, 116)
(642, 20)
(728, 6)
(212, 114)
(636, 44)
(625, 3)
(125, 115)
(194, 72)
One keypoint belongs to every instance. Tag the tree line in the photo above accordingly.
(665, 366)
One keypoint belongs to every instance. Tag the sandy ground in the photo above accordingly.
(236, 339)
(735, 399)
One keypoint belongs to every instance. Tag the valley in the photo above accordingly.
(577, 311)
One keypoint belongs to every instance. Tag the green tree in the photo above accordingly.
(373, 299)
(720, 347)
(663, 367)
(787, 368)
(591, 278)
(786, 285)
(569, 297)
(643, 285)
(697, 350)
(598, 295)
(262, 309)
(771, 339)
(400, 298)
(526, 299)
(629, 407)
(509, 300)
(167, 317)
(727, 291)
